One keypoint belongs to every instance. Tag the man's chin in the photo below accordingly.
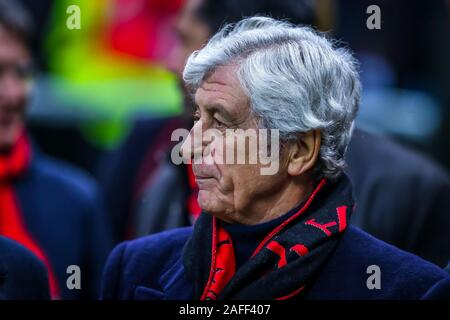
(203, 199)
(208, 203)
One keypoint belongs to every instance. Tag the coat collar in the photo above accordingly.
(174, 285)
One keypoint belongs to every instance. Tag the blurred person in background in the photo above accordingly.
(402, 197)
(22, 275)
(50, 207)
(117, 90)
(278, 236)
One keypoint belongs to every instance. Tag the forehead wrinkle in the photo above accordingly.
(215, 93)
(211, 96)
(222, 87)
(221, 91)
(223, 79)
(217, 85)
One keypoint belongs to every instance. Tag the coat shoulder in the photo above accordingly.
(142, 262)
(136, 267)
(64, 177)
(22, 274)
(363, 267)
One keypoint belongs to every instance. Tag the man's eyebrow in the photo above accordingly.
(219, 109)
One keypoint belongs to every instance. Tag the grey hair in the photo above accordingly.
(296, 80)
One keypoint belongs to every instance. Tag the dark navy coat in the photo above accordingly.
(402, 197)
(22, 275)
(151, 268)
(63, 212)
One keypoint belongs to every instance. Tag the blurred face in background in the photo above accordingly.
(192, 34)
(15, 72)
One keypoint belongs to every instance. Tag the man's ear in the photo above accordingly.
(303, 153)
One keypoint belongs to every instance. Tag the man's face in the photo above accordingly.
(227, 190)
(14, 87)
(192, 34)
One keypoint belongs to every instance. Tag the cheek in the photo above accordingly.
(251, 186)
(239, 180)
(216, 149)
(243, 180)
(228, 193)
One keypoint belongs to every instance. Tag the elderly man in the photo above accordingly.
(278, 236)
(165, 195)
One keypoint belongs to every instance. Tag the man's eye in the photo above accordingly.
(219, 124)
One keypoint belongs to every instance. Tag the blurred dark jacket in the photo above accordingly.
(63, 211)
(151, 268)
(22, 275)
(125, 172)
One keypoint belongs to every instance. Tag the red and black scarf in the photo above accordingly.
(284, 263)
(13, 165)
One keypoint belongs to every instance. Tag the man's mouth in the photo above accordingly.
(204, 182)
(199, 176)
(203, 179)
(205, 175)
(203, 171)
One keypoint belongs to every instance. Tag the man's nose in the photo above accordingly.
(193, 145)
